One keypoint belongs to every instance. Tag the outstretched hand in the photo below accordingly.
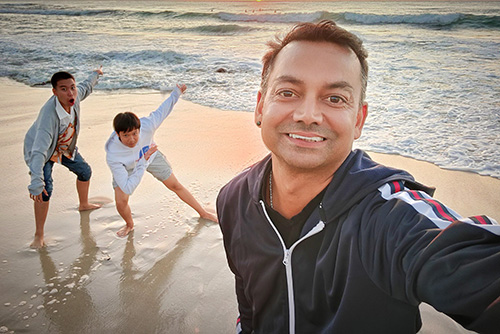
(99, 71)
(152, 149)
(182, 87)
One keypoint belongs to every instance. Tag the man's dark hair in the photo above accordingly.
(324, 31)
(60, 76)
(126, 121)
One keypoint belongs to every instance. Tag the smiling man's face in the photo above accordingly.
(311, 112)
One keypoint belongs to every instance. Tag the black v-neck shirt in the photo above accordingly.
(290, 229)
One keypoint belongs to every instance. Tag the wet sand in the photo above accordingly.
(169, 275)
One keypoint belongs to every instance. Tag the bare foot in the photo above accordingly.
(37, 242)
(89, 206)
(209, 216)
(124, 231)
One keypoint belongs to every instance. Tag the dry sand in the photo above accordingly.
(170, 275)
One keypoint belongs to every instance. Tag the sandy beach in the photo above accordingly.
(170, 274)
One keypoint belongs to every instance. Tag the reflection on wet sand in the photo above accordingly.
(139, 301)
(66, 295)
(142, 297)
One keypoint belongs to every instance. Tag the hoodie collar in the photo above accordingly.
(61, 112)
(358, 176)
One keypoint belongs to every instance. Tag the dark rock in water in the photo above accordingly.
(221, 70)
(41, 83)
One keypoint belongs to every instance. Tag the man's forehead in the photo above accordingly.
(308, 53)
(66, 83)
(315, 49)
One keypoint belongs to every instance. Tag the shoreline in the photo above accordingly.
(171, 272)
(4, 81)
(245, 134)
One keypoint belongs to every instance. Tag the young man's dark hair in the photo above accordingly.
(125, 122)
(60, 76)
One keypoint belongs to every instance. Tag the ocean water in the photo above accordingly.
(433, 90)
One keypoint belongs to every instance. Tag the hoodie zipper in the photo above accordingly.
(287, 262)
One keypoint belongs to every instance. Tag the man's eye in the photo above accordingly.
(335, 99)
(286, 93)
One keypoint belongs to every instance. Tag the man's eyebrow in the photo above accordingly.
(289, 79)
(332, 85)
(341, 84)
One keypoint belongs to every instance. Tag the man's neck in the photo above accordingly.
(292, 190)
(66, 108)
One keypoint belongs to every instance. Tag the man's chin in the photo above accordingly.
(303, 160)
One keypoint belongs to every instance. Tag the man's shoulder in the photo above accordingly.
(147, 124)
(48, 114)
(246, 182)
(237, 182)
(114, 151)
(50, 105)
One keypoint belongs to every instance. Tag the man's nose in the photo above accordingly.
(308, 111)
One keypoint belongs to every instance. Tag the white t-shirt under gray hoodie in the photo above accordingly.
(128, 164)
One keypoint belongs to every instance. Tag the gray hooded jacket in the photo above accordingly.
(41, 139)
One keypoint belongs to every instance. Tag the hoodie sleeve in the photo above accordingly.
(126, 182)
(86, 87)
(418, 250)
(39, 153)
(158, 116)
(38, 142)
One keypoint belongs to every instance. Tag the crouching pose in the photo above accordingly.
(52, 139)
(130, 151)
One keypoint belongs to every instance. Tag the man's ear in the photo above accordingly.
(360, 120)
(54, 91)
(258, 108)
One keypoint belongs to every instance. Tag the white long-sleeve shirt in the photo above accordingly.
(127, 163)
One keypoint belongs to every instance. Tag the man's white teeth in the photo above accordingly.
(311, 139)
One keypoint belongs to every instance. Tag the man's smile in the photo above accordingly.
(313, 139)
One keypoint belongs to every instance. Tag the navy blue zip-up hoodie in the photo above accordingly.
(375, 248)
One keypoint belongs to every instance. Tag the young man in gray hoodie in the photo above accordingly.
(52, 139)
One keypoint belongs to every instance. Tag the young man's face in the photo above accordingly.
(66, 92)
(311, 112)
(129, 138)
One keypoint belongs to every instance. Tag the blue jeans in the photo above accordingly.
(78, 166)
